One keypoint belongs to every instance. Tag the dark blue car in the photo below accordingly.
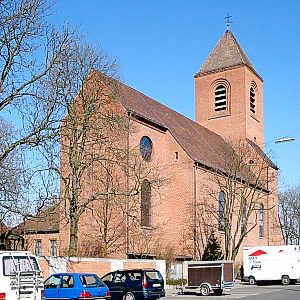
(73, 286)
(135, 284)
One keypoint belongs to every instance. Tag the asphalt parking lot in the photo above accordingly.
(244, 290)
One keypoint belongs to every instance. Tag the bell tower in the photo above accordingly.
(229, 93)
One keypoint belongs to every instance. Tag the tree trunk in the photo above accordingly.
(73, 237)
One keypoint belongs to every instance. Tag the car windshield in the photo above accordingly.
(13, 264)
(153, 275)
(91, 281)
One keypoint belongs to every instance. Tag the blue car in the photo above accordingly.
(135, 284)
(73, 286)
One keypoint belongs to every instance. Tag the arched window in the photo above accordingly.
(221, 211)
(146, 148)
(146, 204)
(252, 99)
(220, 98)
(261, 220)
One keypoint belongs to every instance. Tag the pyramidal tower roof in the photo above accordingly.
(227, 54)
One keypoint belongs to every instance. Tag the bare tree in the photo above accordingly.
(235, 196)
(96, 163)
(289, 214)
(30, 48)
(61, 108)
(11, 173)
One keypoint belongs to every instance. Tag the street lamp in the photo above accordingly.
(278, 141)
(284, 140)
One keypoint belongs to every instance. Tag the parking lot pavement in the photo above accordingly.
(171, 291)
(240, 290)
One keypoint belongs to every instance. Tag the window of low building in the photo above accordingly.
(53, 248)
(38, 248)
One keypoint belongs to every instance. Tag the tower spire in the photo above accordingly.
(228, 21)
(226, 55)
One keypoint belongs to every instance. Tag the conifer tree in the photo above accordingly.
(213, 249)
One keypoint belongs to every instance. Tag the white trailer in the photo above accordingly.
(272, 263)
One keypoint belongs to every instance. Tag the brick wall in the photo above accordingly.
(99, 266)
(171, 201)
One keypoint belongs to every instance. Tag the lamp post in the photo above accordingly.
(277, 141)
(284, 140)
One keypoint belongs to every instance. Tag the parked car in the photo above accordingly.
(75, 286)
(136, 284)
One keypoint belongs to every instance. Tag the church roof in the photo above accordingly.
(226, 55)
(200, 144)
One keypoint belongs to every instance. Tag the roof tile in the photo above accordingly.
(201, 144)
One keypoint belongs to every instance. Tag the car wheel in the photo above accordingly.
(204, 290)
(285, 280)
(251, 280)
(128, 296)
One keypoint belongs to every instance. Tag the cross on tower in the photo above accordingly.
(228, 21)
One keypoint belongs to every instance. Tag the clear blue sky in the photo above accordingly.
(161, 44)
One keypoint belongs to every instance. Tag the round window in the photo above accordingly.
(146, 148)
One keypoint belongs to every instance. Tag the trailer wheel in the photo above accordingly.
(218, 292)
(285, 280)
(251, 280)
(204, 290)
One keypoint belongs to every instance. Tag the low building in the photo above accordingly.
(38, 234)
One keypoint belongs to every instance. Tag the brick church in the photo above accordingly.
(229, 108)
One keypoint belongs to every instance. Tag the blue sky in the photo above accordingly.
(161, 44)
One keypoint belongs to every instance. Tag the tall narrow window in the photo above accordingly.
(221, 211)
(220, 98)
(261, 220)
(243, 219)
(252, 100)
(53, 248)
(146, 204)
(38, 248)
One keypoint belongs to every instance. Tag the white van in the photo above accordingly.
(266, 263)
(20, 276)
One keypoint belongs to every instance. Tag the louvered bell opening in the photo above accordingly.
(220, 98)
(252, 100)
